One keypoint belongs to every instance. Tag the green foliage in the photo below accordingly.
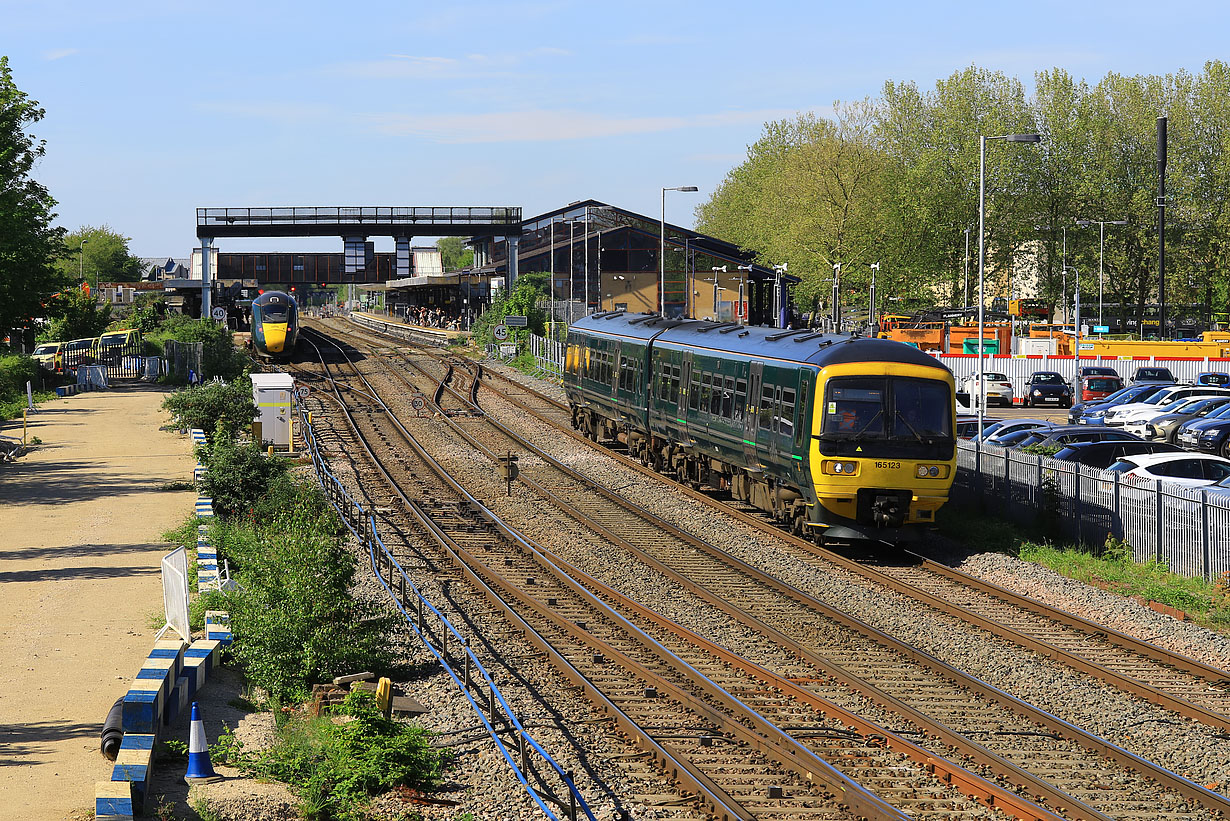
(15, 371)
(104, 257)
(452, 255)
(1040, 450)
(148, 312)
(238, 474)
(337, 767)
(294, 620)
(29, 243)
(523, 301)
(74, 315)
(219, 355)
(213, 403)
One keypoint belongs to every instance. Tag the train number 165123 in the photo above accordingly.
(889, 465)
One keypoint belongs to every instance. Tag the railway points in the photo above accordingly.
(458, 411)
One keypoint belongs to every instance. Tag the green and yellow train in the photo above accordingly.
(838, 438)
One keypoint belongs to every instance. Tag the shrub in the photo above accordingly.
(337, 767)
(294, 620)
(237, 474)
(206, 406)
(219, 356)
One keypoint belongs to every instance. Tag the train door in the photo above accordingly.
(802, 423)
(750, 415)
(688, 394)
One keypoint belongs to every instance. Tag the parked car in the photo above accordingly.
(113, 346)
(1007, 426)
(1102, 455)
(1046, 388)
(78, 352)
(1209, 435)
(1212, 378)
(1092, 370)
(48, 356)
(1071, 434)
(1093, 388)
(1187, 469)
(997, 388)
(1151, 373)
(1091, 413)
(1165, 426)
(1163, 399)
(967, 425)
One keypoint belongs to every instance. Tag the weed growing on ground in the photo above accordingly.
(337, 764)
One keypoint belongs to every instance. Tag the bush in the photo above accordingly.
(238, 474)
(206, 406)
(294, 620)
(219, 356)
(337, 767)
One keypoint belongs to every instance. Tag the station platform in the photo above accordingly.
(396, 323)
(81, 518)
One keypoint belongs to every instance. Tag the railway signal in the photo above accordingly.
(509, 470)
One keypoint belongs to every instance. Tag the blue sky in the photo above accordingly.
(156, 108)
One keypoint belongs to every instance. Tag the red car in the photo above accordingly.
(1094, 388)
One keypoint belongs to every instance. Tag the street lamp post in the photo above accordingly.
(871, 303)
(717, 269)
(1101, 247)
(551, 324)
(836, 297)
(662, 248)
(1076, 276)
(779, 294)
(745, 299)
(587, 220)
(965, 297)
(982, 256)
(572, 265)
(81, 251)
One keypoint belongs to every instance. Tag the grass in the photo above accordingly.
(1110, 566)
(10, 408)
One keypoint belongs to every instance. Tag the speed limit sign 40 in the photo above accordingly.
(500, 332)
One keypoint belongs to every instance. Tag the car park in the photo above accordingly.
(1061, 435)
(1209, 435)
(1165, 427)
(1160, 402)
(1102, 455)
(49, 356)
(1212, 378)
(990, 434)
(1093, 412)
(1186, 469)
(1093, 388)
(1046, 388)
(967, 425)
(997, 386)
(1153, 373)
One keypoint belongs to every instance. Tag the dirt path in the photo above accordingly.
(80, 519)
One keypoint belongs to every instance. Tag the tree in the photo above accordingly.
(452, 255)
(103, 258)
(74, 315)
(29, 244)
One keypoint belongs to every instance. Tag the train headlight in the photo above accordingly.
(931, 471)
(841, 468)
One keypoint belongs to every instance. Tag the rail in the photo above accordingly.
(408, 597)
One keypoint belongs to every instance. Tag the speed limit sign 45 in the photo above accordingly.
(500, 332)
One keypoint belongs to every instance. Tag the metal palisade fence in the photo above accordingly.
(1187, 528)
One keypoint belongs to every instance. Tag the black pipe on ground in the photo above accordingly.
(113, 730)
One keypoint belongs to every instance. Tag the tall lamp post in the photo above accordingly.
(836, 297)
(662, 248)
(717, 269)
(871, 302)
(1101, 246)
(745, 299)
(551, 324)
(587, 220)
(1076, 276)
(982, 256)
(572, 265)
(81, 251)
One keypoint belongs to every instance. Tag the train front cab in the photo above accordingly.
(882, 454)
(275, 324)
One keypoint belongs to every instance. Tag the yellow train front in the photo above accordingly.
(275, 324)
(839, 438)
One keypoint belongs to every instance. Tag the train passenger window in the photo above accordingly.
(706, 390)
(664, 379)
(786, 426)
(623, 374)
(694, 391)
(766, 407)
(674, 384)
(715, 400)
(740, 399)
(728, 398)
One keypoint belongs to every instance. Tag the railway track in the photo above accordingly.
(1171, 680)
(876, 673)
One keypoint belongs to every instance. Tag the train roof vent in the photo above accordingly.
(708, 328)
(734, 326)
(744, 333)
(644, 318)
(806, 337)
